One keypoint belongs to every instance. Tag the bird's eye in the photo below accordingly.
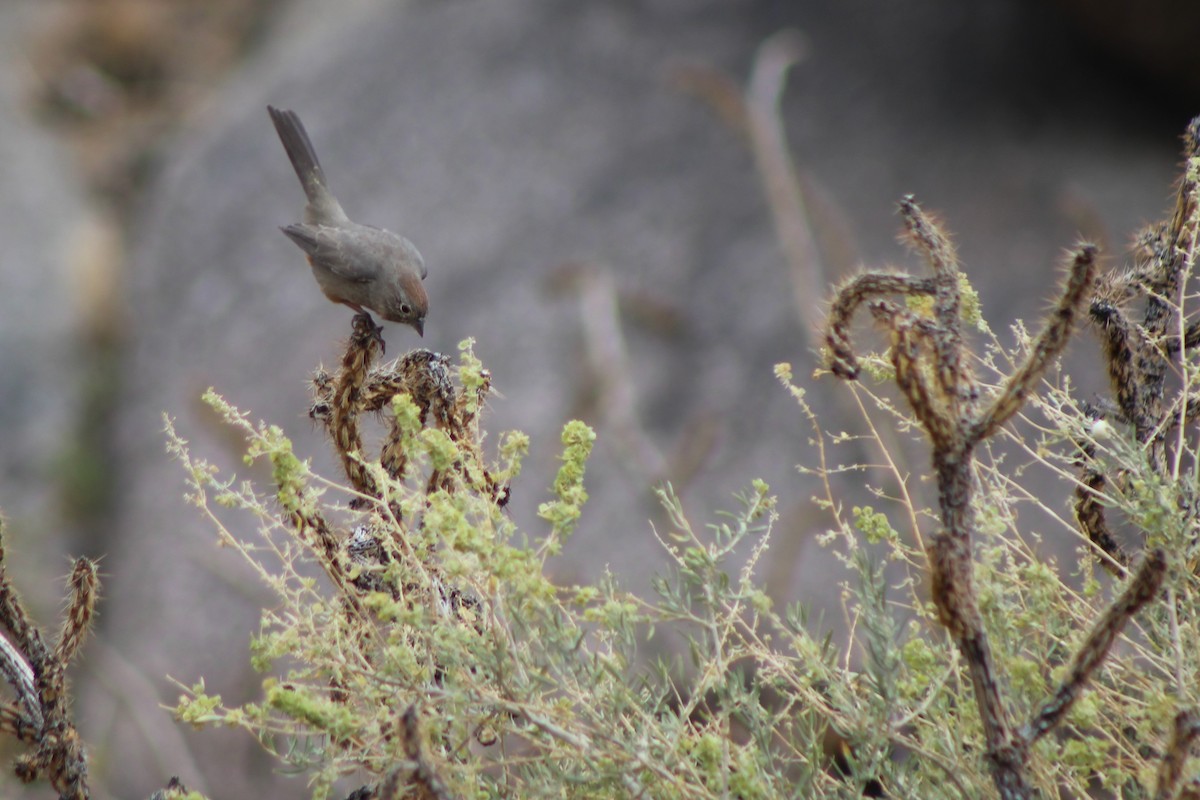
(404, 308)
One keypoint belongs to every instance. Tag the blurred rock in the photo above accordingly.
(43, 222)
(542, 157)
(114, 76)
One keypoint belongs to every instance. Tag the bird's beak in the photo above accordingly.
(420, 326)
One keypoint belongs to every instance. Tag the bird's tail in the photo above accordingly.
(323, 208)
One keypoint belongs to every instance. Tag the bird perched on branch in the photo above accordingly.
(360, 266)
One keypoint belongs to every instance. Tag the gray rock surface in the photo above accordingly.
(509, 139)
(51, 250)
(44, 226)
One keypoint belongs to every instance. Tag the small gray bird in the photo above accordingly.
(356, 265)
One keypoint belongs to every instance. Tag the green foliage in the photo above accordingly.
(526, 686)
(564, 511)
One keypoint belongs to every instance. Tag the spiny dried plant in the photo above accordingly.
(432, 657)
(40, 715)
(934, 375)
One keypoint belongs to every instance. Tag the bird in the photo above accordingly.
(360, 266)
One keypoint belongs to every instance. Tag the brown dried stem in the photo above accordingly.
(338, 403)
(947, 297)
(416, 777)
(423, 777)
(365, 342)
(315, 531)
(1090, 513)
(1120, 340)
(14, 617)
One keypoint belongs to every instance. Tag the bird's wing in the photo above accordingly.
(395, 242)
(330, 248)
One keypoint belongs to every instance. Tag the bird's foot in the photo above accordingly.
(364, 326)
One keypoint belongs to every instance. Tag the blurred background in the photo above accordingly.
(588, 191)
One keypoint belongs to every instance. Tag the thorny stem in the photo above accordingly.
(41, 715)
(1049, 344)
(947, 302)
(953, 591)
(357, 563)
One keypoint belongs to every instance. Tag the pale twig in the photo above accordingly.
(19, 674)
(777, 171)
(609, 363)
